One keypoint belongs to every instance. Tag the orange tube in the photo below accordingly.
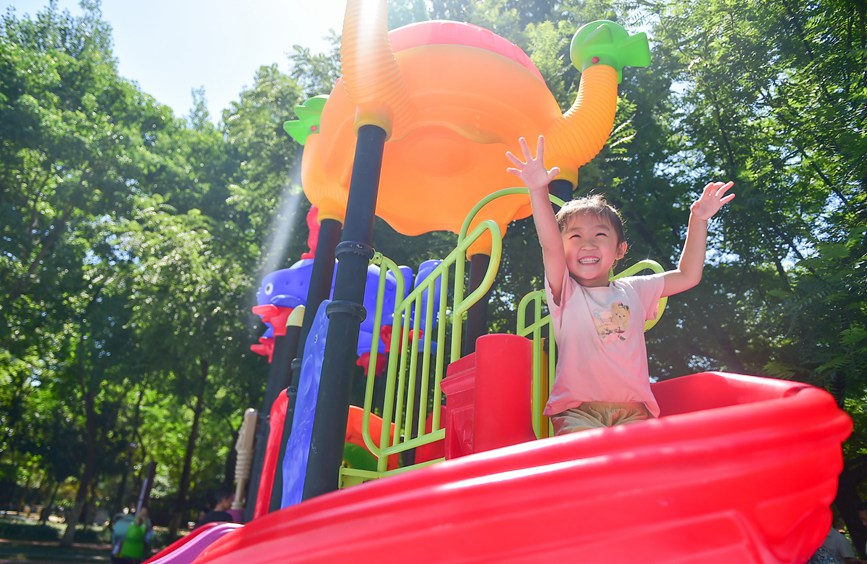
(573, 141)
(370, 72)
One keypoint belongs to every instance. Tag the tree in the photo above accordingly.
(74, 137)
(754, 91)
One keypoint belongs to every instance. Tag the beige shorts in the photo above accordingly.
(596, 414)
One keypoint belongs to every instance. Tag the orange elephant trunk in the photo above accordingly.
(370, 72)
(584, 129)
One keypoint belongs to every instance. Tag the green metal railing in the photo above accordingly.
(536, 326)
(417, 357)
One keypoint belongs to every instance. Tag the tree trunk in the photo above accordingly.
(854, 472)
(231, 462)
(46, 511)
(184, 486)
(90, 457)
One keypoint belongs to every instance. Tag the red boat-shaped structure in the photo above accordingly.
(737, 469)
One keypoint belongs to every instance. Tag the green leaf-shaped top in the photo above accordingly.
(604, 42)
(309, 115)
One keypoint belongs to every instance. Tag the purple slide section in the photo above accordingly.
(188, 551)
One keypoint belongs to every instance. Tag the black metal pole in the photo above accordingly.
(279, 374)
(345, 314)
(477, 315)
(562, 189)
(317, 291)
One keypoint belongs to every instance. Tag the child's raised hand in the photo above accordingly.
(712, 199)
(532, 170)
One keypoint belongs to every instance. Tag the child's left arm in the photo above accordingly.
(691, 264)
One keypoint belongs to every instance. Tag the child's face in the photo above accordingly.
(591, 247)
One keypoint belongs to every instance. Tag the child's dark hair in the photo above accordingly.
(594, 204)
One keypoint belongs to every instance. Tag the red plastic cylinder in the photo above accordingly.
(502, 415)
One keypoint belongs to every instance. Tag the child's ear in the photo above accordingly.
(621, 250)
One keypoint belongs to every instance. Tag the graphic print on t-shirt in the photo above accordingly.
(611, 322)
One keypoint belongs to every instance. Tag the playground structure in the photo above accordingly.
(737, 468)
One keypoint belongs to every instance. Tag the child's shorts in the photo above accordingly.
(596, 414)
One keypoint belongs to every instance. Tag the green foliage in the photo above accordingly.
(770, 99)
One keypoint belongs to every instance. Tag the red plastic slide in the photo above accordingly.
(272, 454)
(738, 469)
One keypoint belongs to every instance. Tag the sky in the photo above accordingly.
(170, 47)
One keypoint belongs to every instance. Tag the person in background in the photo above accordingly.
(838, 545)
(119, 525)
(862, 514)
(133, 546)
(220, 513)
(837, 548)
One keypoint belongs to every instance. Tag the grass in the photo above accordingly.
(42, 551)
(25, 539)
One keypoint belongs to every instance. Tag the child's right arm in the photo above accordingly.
(534, 175)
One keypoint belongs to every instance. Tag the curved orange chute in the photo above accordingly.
(354, 431)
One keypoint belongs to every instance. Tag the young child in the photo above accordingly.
(602, 377)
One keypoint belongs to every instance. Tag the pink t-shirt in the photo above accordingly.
(601, 354)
